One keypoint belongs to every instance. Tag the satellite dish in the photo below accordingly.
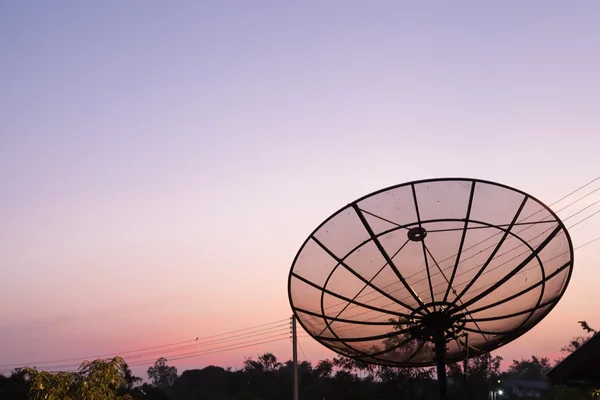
(400, 277)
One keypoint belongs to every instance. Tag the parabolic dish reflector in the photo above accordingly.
(381, 276)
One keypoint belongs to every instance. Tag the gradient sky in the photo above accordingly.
(161, 163)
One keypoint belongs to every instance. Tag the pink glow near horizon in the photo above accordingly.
(161, 166)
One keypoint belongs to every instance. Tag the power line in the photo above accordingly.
(211, 343)
(240, 343)
(575, 191)
(225, 336)
(214, 350)
(302, 350)
(281, 336)
(586, 218)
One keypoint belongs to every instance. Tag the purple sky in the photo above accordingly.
(161, 164)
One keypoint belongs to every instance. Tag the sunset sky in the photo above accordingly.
(162, 163)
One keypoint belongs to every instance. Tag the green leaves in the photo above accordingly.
(94, 380)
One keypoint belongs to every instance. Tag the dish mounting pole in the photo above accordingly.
(440, 352)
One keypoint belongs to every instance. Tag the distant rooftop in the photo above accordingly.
(525, 384)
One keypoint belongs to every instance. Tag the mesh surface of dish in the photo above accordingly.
(491, 258)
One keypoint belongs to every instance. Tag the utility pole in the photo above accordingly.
(295, 356)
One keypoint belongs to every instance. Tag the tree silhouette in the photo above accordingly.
(130, 379)
(533, 369)
(586, 327)
(269, 362)
(577, 341)
(15, 386)
(161, 374)
(324, 369)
